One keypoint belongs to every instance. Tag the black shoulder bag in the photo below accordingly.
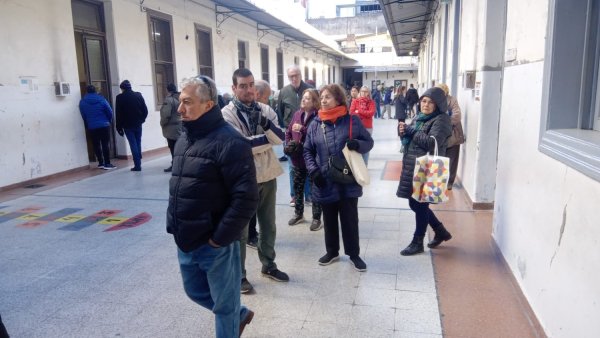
(339, 170)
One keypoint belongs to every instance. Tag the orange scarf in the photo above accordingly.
(332, 114)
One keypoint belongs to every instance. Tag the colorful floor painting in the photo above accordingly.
(74, 222)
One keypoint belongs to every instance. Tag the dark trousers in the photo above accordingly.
(300, 179)
(101, 140)
(252, 233)
(134, 137)
(453, 153)
(347, 210)
(171, 144)
(423, 217)
(3, 333)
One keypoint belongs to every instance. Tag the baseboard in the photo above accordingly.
(478, 205)
(148, 153)
(43, 178)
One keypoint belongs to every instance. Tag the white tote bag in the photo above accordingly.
(357, 165)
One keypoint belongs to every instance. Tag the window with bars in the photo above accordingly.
(204, 47)
(264, 62)
(279, 69)
(161, 41)
(242, 54)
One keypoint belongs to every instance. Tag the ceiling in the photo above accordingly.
(407, 22)
(304, 35)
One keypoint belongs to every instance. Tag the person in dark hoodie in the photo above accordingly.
(212, 195)
(97, 116)
(418, 139)
(170, 121)
(131, 114)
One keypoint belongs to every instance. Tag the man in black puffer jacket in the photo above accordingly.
(212, 195)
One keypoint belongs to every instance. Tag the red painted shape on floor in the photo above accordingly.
(33, 224)
(392, 171)
(132, 222)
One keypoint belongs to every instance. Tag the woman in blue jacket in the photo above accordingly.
(331, 130)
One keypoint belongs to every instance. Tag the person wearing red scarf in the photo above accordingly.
(326, 136)
(364, 107)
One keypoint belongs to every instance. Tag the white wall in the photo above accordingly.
(41, 134)
(545, 218)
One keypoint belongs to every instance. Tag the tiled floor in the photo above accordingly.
(91, 283)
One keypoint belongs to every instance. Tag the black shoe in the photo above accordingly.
(359, 264)
(136, 169)
(109, 167)
(246, 286)
(316, 225)
(415, 247)
(283, 159)
(441, 235)
(246, 321)
(297, 219)
(328, 258)
(252, 243)
(277, 275)
(168, 170)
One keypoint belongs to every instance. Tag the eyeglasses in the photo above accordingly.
(207, 83)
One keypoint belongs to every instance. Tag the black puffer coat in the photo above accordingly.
(213, 191)
(438, 126)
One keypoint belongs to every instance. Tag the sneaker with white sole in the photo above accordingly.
(276, 275)
(109, 166)
(246, 286)
(328, 258)
(297, 219)
(358, 263)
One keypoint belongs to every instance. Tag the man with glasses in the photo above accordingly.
(259, 124)
(212, 195)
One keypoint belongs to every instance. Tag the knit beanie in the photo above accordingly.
(438, 96)
(125, 85)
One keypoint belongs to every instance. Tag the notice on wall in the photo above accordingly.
(477, 91)
(28, 84)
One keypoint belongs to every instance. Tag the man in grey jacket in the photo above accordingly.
(259, 124)
(170, 121)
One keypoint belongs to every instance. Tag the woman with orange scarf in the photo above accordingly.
(326, 136)
(364, 107)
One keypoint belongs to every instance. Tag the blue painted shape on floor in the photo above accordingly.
(90, 220)
(59, 214)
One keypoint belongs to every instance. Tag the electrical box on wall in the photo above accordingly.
(62, 88)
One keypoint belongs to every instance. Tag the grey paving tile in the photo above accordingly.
(418, 321)
(372, 318)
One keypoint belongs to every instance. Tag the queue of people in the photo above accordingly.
(224, 171)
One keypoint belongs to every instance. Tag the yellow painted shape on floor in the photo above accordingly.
(3, 213)
(112, 220)
(29, 217)
(70, 218)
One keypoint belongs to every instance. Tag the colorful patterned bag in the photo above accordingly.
(430, 178)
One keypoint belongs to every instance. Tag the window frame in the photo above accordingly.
(280, 77)
(571, 106)
(246, 57)
(203, 29)
(264, 62)
(160, 92)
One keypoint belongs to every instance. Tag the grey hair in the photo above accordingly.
(261, 86)
(293, 67)
(204, 90)
(365, 87)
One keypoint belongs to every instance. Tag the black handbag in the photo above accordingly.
(338, 169)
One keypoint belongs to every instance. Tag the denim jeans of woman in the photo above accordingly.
(423, 217)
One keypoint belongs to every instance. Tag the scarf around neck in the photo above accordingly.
(419, 121)
(251, 110)
(332, 114)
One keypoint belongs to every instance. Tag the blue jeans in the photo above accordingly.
(211, 278)
(134, 137)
